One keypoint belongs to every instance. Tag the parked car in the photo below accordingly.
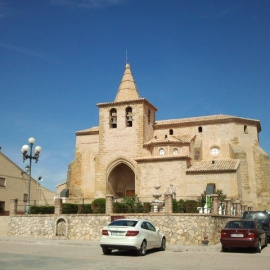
(262, 216)
(243, 234)
(131, 234)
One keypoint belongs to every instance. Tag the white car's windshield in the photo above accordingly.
(129, 223)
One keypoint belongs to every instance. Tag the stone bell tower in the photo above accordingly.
(124, 126)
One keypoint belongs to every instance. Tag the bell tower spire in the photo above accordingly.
(127, 89)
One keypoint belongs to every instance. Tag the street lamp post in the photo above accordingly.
(24, 150)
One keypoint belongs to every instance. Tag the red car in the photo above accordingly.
(243, 234)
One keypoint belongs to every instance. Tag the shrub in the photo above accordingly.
(69, 208)
(119, 207)
(191, 206)
(179, 206)
(42, 209)
(131, 205)
(221, 196)
(182, 206)
(175, 206)
(86, 208)
(98, 206)
(146, 207)
(137, 208)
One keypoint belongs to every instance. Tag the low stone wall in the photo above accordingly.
(80, 227)
(3, 225)
(185, 229)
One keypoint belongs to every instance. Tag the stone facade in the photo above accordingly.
(130, 152)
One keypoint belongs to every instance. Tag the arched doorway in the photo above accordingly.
(122, 181)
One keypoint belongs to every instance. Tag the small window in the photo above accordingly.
(210, 189)
(129, 117)
(161, 152)
(171, 132)
(149, 117)
(113, 118)
(214, 151)
(2, 207)
(175, 151)
(245, 129)
(25, 197)
(200, 129)
(2, 182)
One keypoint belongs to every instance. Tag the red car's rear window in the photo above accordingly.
(240, 225)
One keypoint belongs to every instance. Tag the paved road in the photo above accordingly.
(21, 254)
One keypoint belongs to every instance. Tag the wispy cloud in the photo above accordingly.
(88, 4)
(23, 51)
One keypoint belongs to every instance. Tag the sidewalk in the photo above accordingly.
(88, 243)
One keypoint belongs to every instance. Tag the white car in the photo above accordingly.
(131, 234)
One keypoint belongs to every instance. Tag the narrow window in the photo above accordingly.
(2, 207)
(245, 129)
(113, 118)
(175, 151)
(2, 182)
(149, 117)
(129, 117)
(171, 131)
(25, 197)
(200, 129)
(161, 152)
(210, 189)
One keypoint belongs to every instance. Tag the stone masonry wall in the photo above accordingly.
(186, 229)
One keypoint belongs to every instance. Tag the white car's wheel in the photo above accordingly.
(106, 251)
(142, 250)
(163, 244)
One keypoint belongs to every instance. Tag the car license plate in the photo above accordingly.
(237, 235)
(117, 233)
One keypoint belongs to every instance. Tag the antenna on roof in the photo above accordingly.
(126, 56)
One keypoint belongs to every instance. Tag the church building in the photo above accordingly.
(130, 153)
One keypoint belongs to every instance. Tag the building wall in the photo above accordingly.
(81, 173)
(96, 154)
(163, 174)
(16, 185)
(262, 177)
(215, 134)
(227, 182)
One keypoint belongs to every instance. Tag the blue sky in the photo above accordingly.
(59, 58)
